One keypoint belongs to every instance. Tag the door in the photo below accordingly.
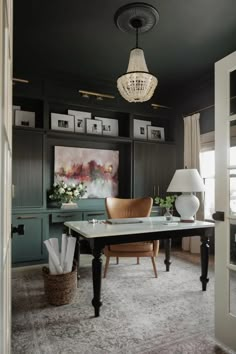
(154, 166)
(5, 175)
(225, 172)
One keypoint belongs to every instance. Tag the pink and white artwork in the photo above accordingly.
(96, 168)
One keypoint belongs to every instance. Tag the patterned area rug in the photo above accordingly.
(140, 314)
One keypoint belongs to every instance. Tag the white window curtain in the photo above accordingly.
(192, 148)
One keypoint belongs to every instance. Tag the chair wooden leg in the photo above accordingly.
(106, 267)
(154, 266)
(137, 260)
(117, 260)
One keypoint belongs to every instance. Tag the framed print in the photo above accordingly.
(140, 128)
(98, 169)
(109, 126)
(62, 122)
(15, 108)
(25, 119)
(155, 133)
(93, 126)
(80, 118)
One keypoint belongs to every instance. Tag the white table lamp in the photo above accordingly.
(186, 181)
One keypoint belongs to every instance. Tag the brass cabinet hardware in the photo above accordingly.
(23, 81)
(65, 216)
(96, 94)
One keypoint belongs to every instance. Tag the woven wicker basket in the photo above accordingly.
(60, 289)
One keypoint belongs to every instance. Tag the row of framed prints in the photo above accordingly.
(82, 122)
(145, 130)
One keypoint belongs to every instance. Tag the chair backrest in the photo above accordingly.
(128, 208)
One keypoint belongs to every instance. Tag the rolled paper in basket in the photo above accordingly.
(55, 245)
(52, 268)
(63, 250)
(54, 258)
(69, 254)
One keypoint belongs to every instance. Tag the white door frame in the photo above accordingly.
(6, 30)
(225, 322)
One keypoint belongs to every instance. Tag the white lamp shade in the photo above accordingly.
(186, 180)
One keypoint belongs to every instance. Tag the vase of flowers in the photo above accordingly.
(67, 194)
(166, 203)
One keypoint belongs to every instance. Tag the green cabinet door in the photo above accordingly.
(29, 247)
(154, 166)
(57, 219)
(27, 169)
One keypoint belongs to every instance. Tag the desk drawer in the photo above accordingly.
(98, 215)
(68, 216)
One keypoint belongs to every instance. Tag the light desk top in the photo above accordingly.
(100, 228)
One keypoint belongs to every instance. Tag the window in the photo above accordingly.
(207, 165)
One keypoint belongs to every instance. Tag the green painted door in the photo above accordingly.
(29, 247)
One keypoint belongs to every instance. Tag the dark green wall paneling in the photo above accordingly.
(27, 170)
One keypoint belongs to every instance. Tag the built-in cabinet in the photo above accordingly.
(29, 247)
(145, 168)
(38, 227)
(154, 166)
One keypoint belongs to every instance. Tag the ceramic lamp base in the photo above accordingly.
(69, 206)
(187, 205)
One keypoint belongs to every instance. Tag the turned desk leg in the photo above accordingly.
(97, 280)
(78, 256)
(77, 249)
(167, 260)
(204, 261)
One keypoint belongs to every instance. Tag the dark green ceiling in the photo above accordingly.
(79, 38)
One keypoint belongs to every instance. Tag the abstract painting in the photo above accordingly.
(96, 168)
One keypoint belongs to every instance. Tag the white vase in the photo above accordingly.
(69, 205)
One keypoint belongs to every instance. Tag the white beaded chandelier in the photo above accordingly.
(137, 84)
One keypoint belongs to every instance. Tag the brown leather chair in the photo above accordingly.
(130, 208)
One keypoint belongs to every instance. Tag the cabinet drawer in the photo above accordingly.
(63, 217)
(98, 215)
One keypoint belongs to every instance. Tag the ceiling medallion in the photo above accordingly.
(137, 84)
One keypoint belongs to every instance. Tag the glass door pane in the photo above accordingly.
(232, 293)
(233, 92)
(233, 243)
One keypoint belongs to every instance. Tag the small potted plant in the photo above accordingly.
(67, 194)
(166, 203)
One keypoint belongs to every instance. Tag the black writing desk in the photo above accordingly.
(153, 228)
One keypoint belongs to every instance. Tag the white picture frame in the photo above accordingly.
(25, 119)
(80, 119)
(110, 126)
(140, 128)
(62, 122)
(155, 133)
(15, 108)
(93, 126)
